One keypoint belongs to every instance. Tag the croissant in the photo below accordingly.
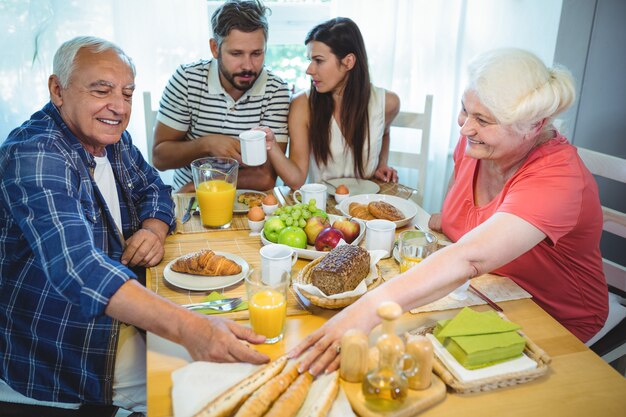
(360, 211)
(206, 262)
(383, 210)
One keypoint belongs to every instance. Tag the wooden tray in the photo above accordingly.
(416, 401)
(531, 350)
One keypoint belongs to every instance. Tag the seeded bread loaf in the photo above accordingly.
(341, 270)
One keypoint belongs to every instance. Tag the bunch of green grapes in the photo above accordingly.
(296, 215)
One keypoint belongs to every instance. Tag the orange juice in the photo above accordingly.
(268, 309)
(408, 262)
(216, 199)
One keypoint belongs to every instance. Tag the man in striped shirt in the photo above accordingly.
(207, 104)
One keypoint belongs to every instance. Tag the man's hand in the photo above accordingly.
(225, 146)
(146, 246)
(218, 340)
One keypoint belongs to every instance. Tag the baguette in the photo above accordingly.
(260, 401)
(321, 396)
(288, 404)
(226, 403)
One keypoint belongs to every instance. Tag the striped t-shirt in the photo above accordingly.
(195, 102)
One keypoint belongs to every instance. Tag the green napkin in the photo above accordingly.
(477, 340)
(470, 322)
(214, 296)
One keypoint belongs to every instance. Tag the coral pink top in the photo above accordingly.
(555, 192)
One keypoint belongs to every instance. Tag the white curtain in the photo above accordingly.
(415, 47)
(420, 47)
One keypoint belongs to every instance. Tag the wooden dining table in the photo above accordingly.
(578, 382)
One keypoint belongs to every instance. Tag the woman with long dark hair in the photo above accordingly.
(340, 127)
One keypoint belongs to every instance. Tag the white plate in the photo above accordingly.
(202, 282)
(355, 185)
(310, 252)
(407, 207)
(241, 207)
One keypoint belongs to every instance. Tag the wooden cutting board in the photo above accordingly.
(415, 403)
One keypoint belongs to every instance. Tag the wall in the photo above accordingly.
(590, 43)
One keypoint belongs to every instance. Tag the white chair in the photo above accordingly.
(150, 120)
(411, 160)
(610, 342)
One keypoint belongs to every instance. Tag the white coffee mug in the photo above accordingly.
(253, 150)
(276, 258)
(315, 191)
(380, 234)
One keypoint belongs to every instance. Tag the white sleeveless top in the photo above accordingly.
(341, 160)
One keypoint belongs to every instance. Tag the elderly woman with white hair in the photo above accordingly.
(520, 204)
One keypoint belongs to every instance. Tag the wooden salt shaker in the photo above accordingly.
(421, 350)
(354, 355)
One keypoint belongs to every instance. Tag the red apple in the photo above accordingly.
(350, 228)
(313, 228)
(328, 239)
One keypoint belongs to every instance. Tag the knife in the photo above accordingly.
(211, 303)
(279, 196)
(187, 214)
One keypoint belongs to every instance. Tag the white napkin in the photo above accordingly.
(375, 256)
(197, 383)
(463, 374)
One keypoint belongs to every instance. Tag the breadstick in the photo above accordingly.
(288, 404)
(260, 401)
(227, 402)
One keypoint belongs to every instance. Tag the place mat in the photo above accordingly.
(194, 225)
(246, 247)
(496, 287)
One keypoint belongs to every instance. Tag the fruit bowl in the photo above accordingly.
(310, 252)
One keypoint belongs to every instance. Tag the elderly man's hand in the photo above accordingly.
(218, 340)
(144, 248)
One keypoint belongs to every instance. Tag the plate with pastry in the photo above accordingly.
(356, 186)
(206, 270)
(379, 206)
(245, 199)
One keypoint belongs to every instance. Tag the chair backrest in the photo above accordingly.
(150, 120)
(411, 160)
(613, 168)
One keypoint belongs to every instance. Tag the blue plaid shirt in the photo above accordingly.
(59, 258)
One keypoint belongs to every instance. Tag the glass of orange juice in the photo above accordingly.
(216, 182)
(413, 246)
(267, 305)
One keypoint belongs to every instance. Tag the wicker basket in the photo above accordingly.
(304, 277)
(531, 350)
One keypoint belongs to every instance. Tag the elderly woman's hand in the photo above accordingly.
(320, 350)
(434, 223)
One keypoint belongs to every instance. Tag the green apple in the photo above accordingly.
(292, 236)
(272, 228)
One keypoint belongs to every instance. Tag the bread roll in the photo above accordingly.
(225, 404)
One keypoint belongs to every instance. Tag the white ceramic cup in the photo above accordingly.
(380, 234)
(276, 258)
(311, 191)
(253, 150)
